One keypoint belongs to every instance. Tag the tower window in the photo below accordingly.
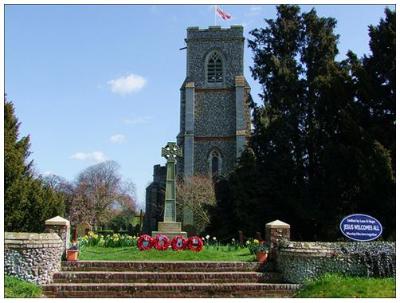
(214, 68)
(215, 163)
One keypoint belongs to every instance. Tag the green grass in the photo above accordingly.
(133, 254)
(337, 286)
(17, 288)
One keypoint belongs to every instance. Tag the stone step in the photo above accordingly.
(169, 290)
(161, 266)
(165, 277)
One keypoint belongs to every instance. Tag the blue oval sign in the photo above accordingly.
(361, 227)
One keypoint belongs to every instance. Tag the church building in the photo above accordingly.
(214, 105)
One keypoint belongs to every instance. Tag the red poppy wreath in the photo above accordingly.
(194, 243)
(178, 243)
(145, 242)
(161, 242)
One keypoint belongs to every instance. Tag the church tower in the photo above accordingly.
(214, 107)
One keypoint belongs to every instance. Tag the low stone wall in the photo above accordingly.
(299, 261)
(32, 257)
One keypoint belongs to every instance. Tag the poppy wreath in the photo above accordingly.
(145, 242)
(161, 242)
(194, 243)
(178, 243)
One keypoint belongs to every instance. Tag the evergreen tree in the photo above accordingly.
(317, 155)
(374, 79)
(16, 171)
(27, 202)
(277, 140)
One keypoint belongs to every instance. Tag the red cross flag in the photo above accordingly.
(222, 14)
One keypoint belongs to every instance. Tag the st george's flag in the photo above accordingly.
(222, 14)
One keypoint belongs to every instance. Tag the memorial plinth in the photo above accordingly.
(169, 226)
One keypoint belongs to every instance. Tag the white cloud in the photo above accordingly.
(118, 138)
(137, 120)
(96, 156)
(127, 84)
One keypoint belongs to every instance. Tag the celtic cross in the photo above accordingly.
(171, 151)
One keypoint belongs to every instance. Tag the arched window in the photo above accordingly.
(215, 163)
(214, 68)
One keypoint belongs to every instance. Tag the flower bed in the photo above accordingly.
(114, 240)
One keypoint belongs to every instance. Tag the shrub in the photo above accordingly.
(255, 246)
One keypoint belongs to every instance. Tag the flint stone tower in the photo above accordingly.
(214, 107)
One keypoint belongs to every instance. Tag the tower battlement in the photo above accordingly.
(215, 32)
(214, 28)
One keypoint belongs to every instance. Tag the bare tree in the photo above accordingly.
(197, 194)
(99, 191)
(62, 186)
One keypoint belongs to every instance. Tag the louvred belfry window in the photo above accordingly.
(214, 68)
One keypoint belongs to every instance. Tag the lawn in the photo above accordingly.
(211, 253)
(336, 286)
(17, 288)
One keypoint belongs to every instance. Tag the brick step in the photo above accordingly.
(165, 277)
(169, 290)
(161, 266)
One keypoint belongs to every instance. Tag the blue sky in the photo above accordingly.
(92, 83)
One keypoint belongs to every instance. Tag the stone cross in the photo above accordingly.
(170, 152)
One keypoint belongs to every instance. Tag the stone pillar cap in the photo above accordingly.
(57, 221)
(277, 224)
